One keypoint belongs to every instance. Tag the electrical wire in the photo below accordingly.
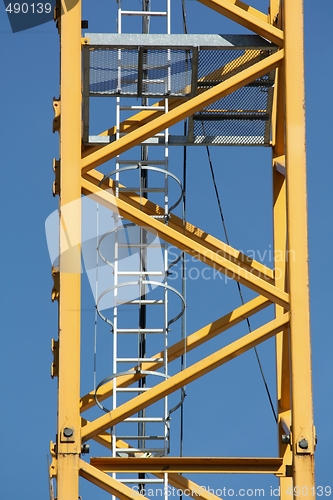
(183, 357)
(185, 30)
(184, 17)
(96, 295)
(238, 285)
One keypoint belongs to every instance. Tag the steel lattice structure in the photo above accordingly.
(286, 286)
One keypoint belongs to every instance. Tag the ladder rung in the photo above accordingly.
(154, 140)
(137, 330)
(139, 360)
(145, 108)
(144, 163)
(139, 245)
(133, 389)
(146, 438)
(140, 273)
(124, 134)
(142, 13)
(144, 190)
(137, 481)
(138, 450)
(140, 302)
(144, 419)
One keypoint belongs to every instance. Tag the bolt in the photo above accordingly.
(68, 432)
(303, 444)
(285, 439)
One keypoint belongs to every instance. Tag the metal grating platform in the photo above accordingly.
(120, 71)
(159, 66)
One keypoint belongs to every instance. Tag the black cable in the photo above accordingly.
(227, 239)
(184, 17)
(238, 285)
(182, 361)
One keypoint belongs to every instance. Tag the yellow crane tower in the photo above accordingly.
(270, 60)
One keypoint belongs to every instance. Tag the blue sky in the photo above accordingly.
(215, 421)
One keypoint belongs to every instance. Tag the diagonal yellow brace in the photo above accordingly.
(107, 483)
(189, 487)
(182, 111)
(185, 377)
(247, 59)
(104, 438)
(188, 229)
(247, 16)
(133, 122)
(198, 250)
(194, 340)
(248, 8)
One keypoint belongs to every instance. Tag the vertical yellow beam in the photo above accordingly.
(282, 338)
(302, 412)
(280, 256)
(274, 8)
(69, 439)
(280, 264)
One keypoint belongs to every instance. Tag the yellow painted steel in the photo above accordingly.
(248, 17)
(185, 377)
(189, 465)
(191, 342)
(303, 438)
(198, 250)
(286, 286)
(195, 233)
(110, 485)
(181, 112)
(107, 483)
(282, 338)
(274, 13)
(146, 116)
(69, 446)
(237, 6)
(190, 488)
(134, 122)
(280, 265)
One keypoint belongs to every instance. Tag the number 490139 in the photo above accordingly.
(26, 8)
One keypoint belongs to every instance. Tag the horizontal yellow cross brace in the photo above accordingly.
(189, 465)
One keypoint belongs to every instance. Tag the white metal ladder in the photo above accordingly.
(144, 442)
